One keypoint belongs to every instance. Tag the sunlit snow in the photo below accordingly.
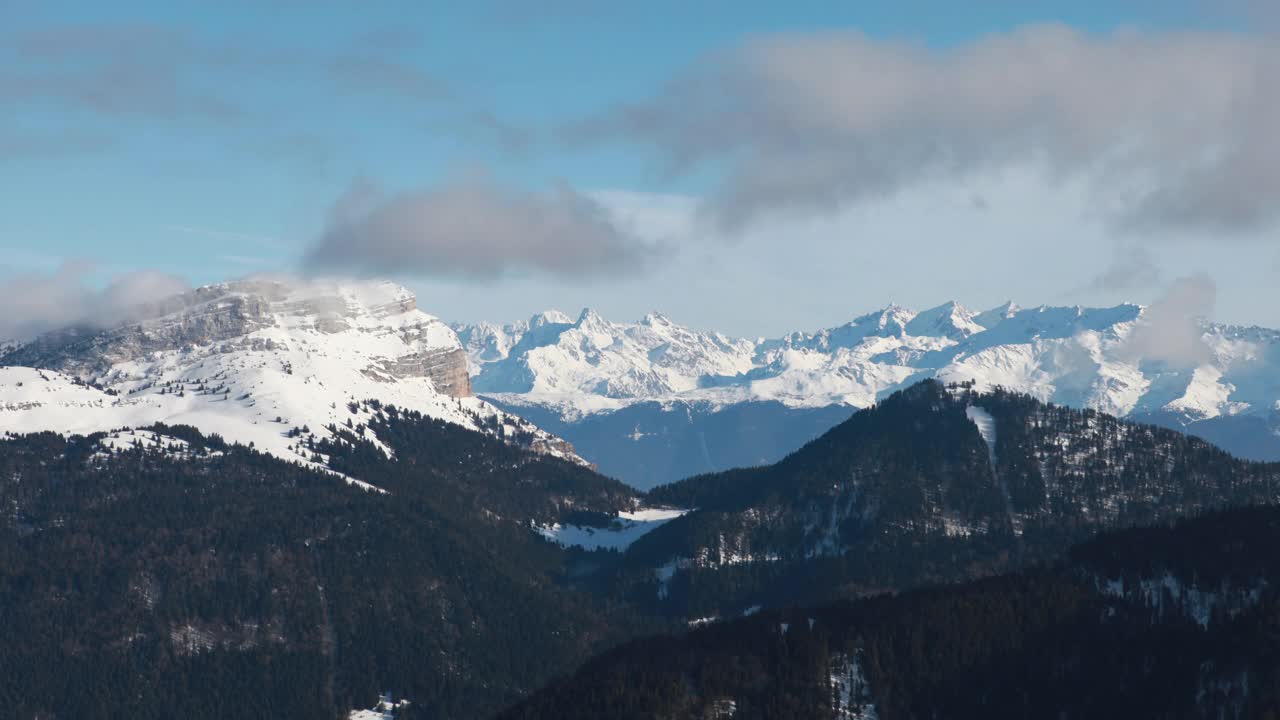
(624, 530)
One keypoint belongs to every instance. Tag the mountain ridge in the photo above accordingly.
(934, 484)
(266, 362)
(1174, 620)
(1098, 358)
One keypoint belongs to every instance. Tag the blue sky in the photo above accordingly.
(211, 141)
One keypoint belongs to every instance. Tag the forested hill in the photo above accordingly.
(1168, 622)
(164, 574)
(936, 483)
(160, 572)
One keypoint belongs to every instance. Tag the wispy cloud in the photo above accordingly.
(367, 73)
(178, 77)
(1133, 267)
(40, 302)
(1174, 130)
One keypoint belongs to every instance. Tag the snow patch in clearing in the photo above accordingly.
(986, 427)
(628, 527)
(849, 686)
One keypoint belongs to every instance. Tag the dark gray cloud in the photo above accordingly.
(474, 229)
(1172, 130)
(36, 303)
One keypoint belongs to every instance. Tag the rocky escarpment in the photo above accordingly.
(231, 317)
(203, 317)
(277, 363)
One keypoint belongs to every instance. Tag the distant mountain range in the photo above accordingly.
(183, 543)
(653, 401)
(649, 402)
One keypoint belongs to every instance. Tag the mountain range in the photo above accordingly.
(653, 401)
(934, 484)
(160, 571)
(291, 489)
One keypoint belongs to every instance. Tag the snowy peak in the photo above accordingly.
(892, 321)
(949, 320)
(252, 360)
(394, 338)
(589, 317)
(549, 317)
(996, 315)
(1077, 356)
(656, 319)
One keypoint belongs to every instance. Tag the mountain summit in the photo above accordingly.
(256, 361)
(694, 401)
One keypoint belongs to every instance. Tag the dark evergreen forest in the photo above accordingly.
(227, 583)
(216, 582)
(1166, 622)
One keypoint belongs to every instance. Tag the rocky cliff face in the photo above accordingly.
(232, 317)
(277, 363)
(446, 368)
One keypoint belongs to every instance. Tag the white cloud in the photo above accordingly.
(37, 303)
(1169, 331)
(1173, 130)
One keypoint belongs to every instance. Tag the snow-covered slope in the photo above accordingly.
(251, 361)
(592, 364)
(1072, 355)
(1083, 357)
(619, 534)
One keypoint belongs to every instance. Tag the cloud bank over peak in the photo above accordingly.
(1170, 330)
(38, 302)
(1173, 129)
(474, 229)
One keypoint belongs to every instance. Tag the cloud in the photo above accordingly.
(507, 136)
(476, 230)
(376, 74)
(1170, 331)
(37, 303)
(115, 70)
(16, 144)
(1173, 129)
(133, 70)
(90, 75)
(1133, 267)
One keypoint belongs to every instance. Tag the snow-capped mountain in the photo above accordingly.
(591, 380)
(269, 361)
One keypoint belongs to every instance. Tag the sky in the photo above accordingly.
(750, 167)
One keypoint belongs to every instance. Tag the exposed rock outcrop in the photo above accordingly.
(231, 317)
